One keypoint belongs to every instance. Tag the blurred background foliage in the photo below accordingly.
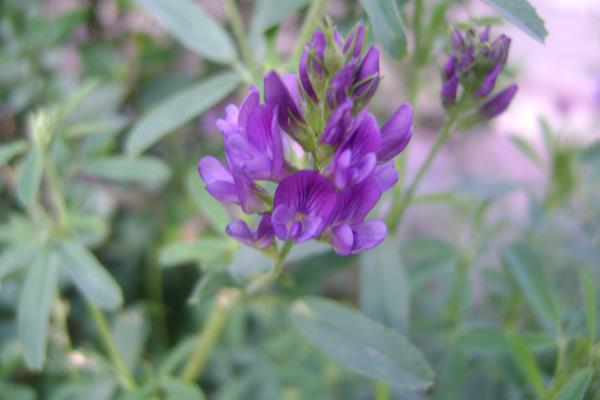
(106, 230)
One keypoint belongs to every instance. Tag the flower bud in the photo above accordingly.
(499, 102)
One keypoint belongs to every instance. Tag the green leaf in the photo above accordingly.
(11, 149)
(90, 277)
(361, 344)
(31, 175)
(527, 149)
(248, 263)
(181, 390)
(150, 172)
(35, 304)
(177, 110)
(182, 252)
(385, 292)
(210, 208)
(177, 355)
(17, 256)
(589, 296)
(521, 264)
(90, 229)
(387, 25)
(193, 27)
(576, 386)
(269, 13)
(523, 356)
(522, 15)
(130, 330)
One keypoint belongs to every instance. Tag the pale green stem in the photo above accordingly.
(314, 14)
(272, 274)
(399, 207)
(210, 332)
(382, 391)
(237, 24)
(123, 373)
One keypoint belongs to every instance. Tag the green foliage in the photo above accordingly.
(387, 26)
(521, 14)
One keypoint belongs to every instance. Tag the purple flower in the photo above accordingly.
(312, 62)
(302, 206)
(230, 187)
(355, 39)
(356, 158)
(261, 237)
(499, 102)
(386, 175)
(339, 125)
(449, 89)
(396, 133)
(349, 232)
(283, 94)
(253, 140)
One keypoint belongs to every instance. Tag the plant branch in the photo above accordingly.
(270, 276)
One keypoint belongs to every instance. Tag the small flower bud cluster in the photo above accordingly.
(314, 138)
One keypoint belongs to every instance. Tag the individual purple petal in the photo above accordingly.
(342, 239)
(386, 175)
(305, 75)
(353, 204)
(340, 85)
(278, 95)
(355, 39)
(302, 205)
(339, 125)
(247, 158)
(485, 35)
(467, 59)
(500, 48)
(229, 125)
(239, 230)
(449, 89)
(487, 85)
(219, 181)
(499, 102)
(248, 193)
(368, 74)
(249, 104)
(457, 38)
(450, 68)
(264, 232)
(367, 235)
(396, 133)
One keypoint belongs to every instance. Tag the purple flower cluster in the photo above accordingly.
(475, 63)
(310, 159)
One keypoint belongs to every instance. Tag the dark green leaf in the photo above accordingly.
(175, 111)
(11, 149)
(90, 277)
(360, 344)
(522, 15)
(210, 208)
(521, 263)
(193, 27)
(182, 252)
(35, 304)
(576, 386)
(385, 293)
(523, 356)
(387, 25)
(150, 172)
(31, 175)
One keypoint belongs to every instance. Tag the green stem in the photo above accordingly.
(113, 353)
(314, 14)
(263, 280)
(239, 31)
(399, 207)
(382, 391)
(210, 332)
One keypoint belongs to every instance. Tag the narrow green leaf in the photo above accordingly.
(90, 277)
(150, 172)
(576, 386)
(523, 356)
(11, 149)
(181, 390)
(130, 330)
(387, 25)
(269, 13)
(31, 175)
(520, 262)
(527, 149)
(177, 110)
(385, 292)
(210, 208)
(35, 304)
(522, 15)
(17, 256)
(205, 249)
(177, 356)
(589, 296)
(361, 344)
(193, 27)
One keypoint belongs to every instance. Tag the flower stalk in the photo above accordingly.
(274, 273)
(210, 332)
